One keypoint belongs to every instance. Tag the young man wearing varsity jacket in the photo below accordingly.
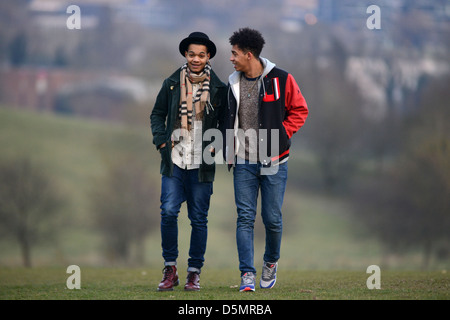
(187, 105)
(265, 109)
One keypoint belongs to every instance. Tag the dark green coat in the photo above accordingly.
(165, 113)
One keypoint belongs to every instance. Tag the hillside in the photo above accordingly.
(318, 230)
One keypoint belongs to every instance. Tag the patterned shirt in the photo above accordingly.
(248, 118)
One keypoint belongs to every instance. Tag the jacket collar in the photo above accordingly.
(236, 75)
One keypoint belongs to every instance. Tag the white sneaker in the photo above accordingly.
(248, 282)
(269, 275)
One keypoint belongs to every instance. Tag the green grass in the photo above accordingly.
(141, 283)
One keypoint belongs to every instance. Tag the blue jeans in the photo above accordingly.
(182, 186)
(248, 180)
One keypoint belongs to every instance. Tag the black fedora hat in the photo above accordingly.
(198, 38)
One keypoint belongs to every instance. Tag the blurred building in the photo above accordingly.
(57, 67)
(70, 91)
(150, 13)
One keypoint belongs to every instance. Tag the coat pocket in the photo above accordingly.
(166, 155)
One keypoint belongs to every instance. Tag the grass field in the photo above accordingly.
(141, 283)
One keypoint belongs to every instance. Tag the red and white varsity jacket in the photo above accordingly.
(281, 106)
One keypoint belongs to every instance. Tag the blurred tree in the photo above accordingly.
(60, 59)
(409, 205)
(121, 204)
(335, 125)
(18, 50)
(29, 205)
(13, 17)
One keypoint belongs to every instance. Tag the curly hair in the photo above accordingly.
(248, 40)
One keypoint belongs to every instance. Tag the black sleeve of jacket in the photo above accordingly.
(159, 115)
(222, 118)
(223, 109)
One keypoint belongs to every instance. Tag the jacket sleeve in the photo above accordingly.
(159, 115)
(296, 107)
(223, 110)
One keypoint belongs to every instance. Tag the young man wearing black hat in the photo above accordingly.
(187, 105)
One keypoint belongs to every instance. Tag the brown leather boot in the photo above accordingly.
(170, 279)
(192, 282)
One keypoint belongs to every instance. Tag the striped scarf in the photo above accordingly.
(187, 78)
